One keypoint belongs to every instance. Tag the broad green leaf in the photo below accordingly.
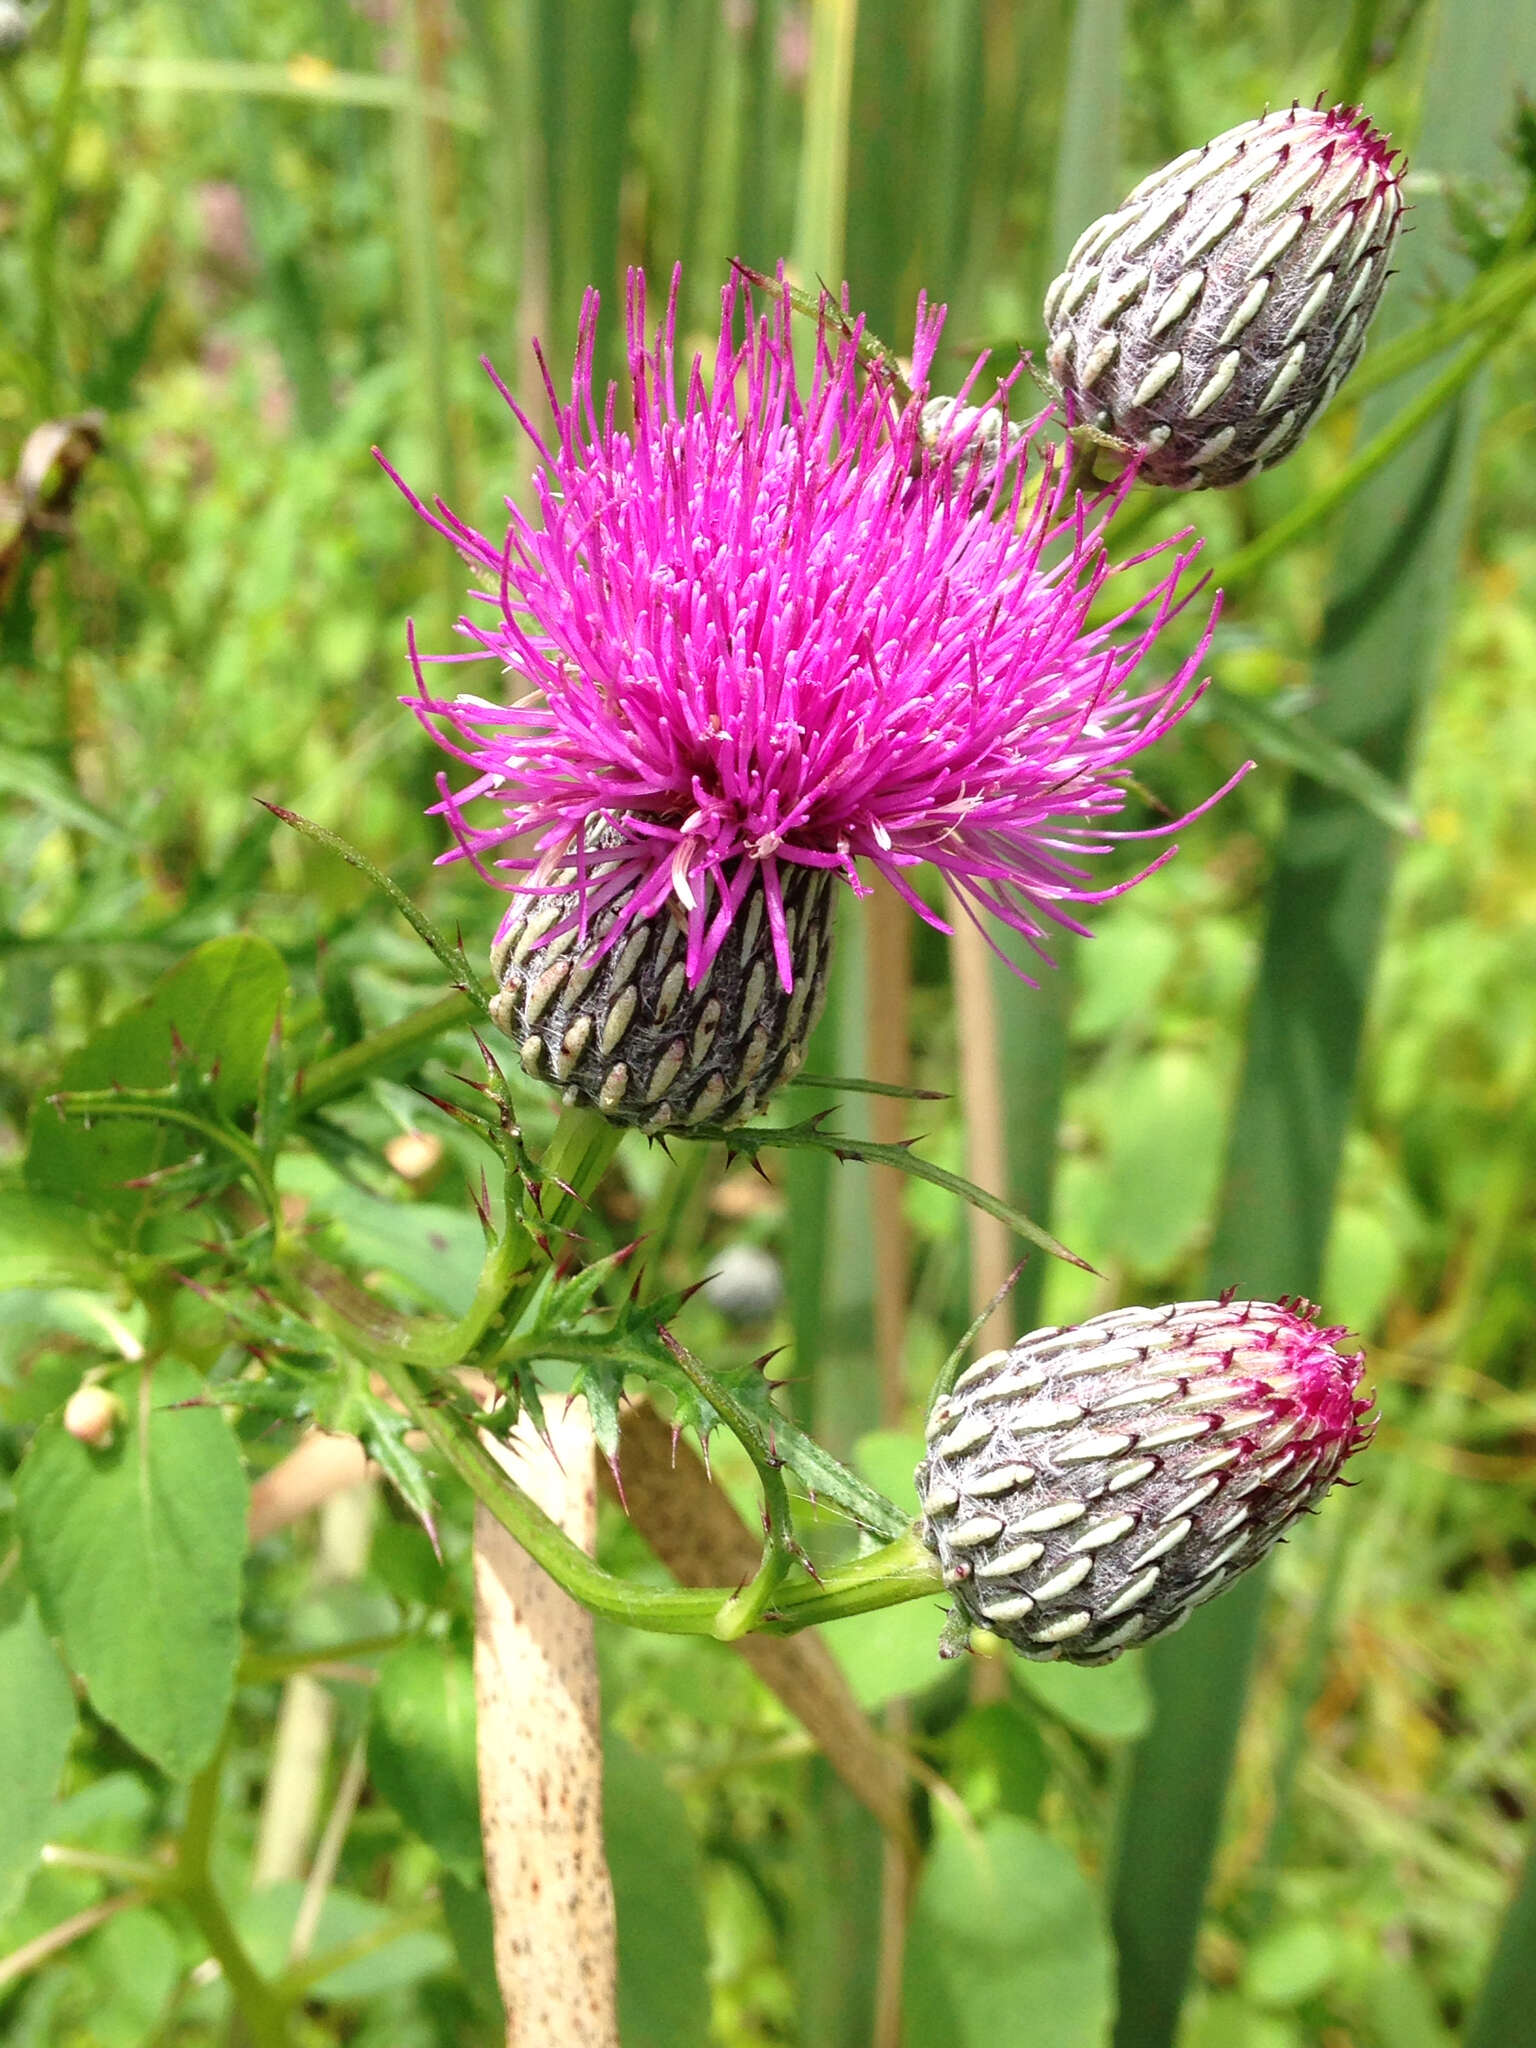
(421, 1750)
(135, 1964)
(467, 1911)
(134, 1553)
(663, 1952)
(995, 1758)
(1508, 1995)
(221, 1003)
(890, 1653)
(1110, 1701)
(265, 1924)
(1402, 2008)
(1007, 1943)
(1122, 973)
(1164, 1155)
(37, 1719)
(1227, 2021)
(1291, 1964)
(437, 1250)
(44, 1243)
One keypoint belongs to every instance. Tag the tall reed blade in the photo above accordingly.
(1032, 1025)
(1503, 2015)
(1383, 633)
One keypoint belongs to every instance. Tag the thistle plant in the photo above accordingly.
(774, 624)
(1200, 328)
(761, 635)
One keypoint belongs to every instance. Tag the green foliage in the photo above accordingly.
(1006, 1936)
(421, 1750)
(37, 1724)
(202, 1037)
(44, 1243)
(134, 1552)
(663, 1999)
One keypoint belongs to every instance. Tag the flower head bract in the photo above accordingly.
(774, 619)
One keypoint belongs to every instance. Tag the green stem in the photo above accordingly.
(381, 1052)
(125, 1869)
(574, 1161)
(899, 1571)
(295, 1984)
(1302, 1692)
(739, 1616)
(261, 2007)
(44, 237)
(22, 118)
(1355, 52)
(1373, 457)
(261, 1666)
(427, 306)
(822, 201)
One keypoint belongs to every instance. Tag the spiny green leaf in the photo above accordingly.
(47, 1243)
(211, 1017)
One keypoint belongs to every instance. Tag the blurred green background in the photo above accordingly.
(258, 241)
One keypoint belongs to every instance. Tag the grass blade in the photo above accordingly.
(1033, 1024)
(1503, 2015)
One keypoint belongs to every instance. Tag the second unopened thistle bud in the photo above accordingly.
(1204, 325)
(1090, 1488)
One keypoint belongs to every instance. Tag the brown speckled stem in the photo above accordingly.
(541, 1759)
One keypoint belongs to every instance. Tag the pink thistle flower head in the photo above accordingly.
(766, 627)
(1089, 1488)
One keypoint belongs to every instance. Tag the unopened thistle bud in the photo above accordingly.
(614, 1022)
(1204, 325)
(1090, 1488)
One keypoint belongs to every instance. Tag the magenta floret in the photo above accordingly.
(770, 621)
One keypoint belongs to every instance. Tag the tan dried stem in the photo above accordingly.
(981, 1095)
(986, 1163)
(541, 1759)
(306, 1718)
(691, 1524)
(889, 1056)
(320, 1466)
